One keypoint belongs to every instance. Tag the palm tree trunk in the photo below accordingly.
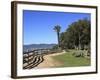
(58, 40)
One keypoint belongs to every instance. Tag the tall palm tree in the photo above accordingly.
(57, 29)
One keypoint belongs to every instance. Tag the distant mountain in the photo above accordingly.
(37, 46)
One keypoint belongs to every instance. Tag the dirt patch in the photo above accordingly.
(49, 62)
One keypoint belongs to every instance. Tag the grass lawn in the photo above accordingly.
(68, 60)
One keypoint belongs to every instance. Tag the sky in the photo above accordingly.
(38, 25)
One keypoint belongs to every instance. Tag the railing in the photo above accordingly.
(33, 58)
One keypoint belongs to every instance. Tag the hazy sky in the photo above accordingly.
(38, 25)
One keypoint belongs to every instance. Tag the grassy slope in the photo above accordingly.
(68, 60)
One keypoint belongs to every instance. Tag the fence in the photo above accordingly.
(33, 58)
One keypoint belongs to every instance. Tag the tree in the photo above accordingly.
(77, 35)
(57, 29)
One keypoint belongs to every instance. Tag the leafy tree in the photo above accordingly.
(77, 35)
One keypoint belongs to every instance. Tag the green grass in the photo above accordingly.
(68, 60)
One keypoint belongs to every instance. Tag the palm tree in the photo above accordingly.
(57, 29)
